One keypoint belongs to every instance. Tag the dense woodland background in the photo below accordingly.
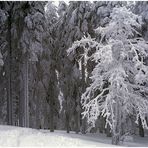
(41, 85)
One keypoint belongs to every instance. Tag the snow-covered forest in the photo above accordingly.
(77, 67)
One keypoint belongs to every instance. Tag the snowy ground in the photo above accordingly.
(16, 136)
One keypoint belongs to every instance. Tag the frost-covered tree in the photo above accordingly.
(51, 13)
(119, 79)
(141, 8)
(24, 27)
(3, 19)
(3, 51)
(70, 28)
(6, 13)
(62, 8)
(101, 11)
(96, 14)
(32, 44)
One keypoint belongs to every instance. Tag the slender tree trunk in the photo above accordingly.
(37, 114)
(78, 120)
(51, 113)
(77, 123)
(101, 126)
(21, 110)
(83, 89)
(9, 93)
(141, 130)
(67, 112)
(78, 112)
(24, 97)
(67, 122)
(108, 131)
(52, 96)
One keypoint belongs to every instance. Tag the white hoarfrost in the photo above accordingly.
(3, 43)
(1, 60)
(85, 44)
(120, 78)
(51, 12)
(33, 35)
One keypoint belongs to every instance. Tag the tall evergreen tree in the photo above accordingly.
(121, 63)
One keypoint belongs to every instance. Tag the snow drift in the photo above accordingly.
(17, 136)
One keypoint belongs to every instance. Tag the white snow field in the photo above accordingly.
(17, 136)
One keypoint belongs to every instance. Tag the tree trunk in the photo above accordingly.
(141, 130)
(101, 126)
(116, 131)
(37, 113)
(115, 139)
(67, 123)
(83, 130)
(24, 98)
(108, 131)
(51, 114)
(26, 93)
(77, 118)
(9, 93)
(67, 112)
(51, 96)
(77, 123)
